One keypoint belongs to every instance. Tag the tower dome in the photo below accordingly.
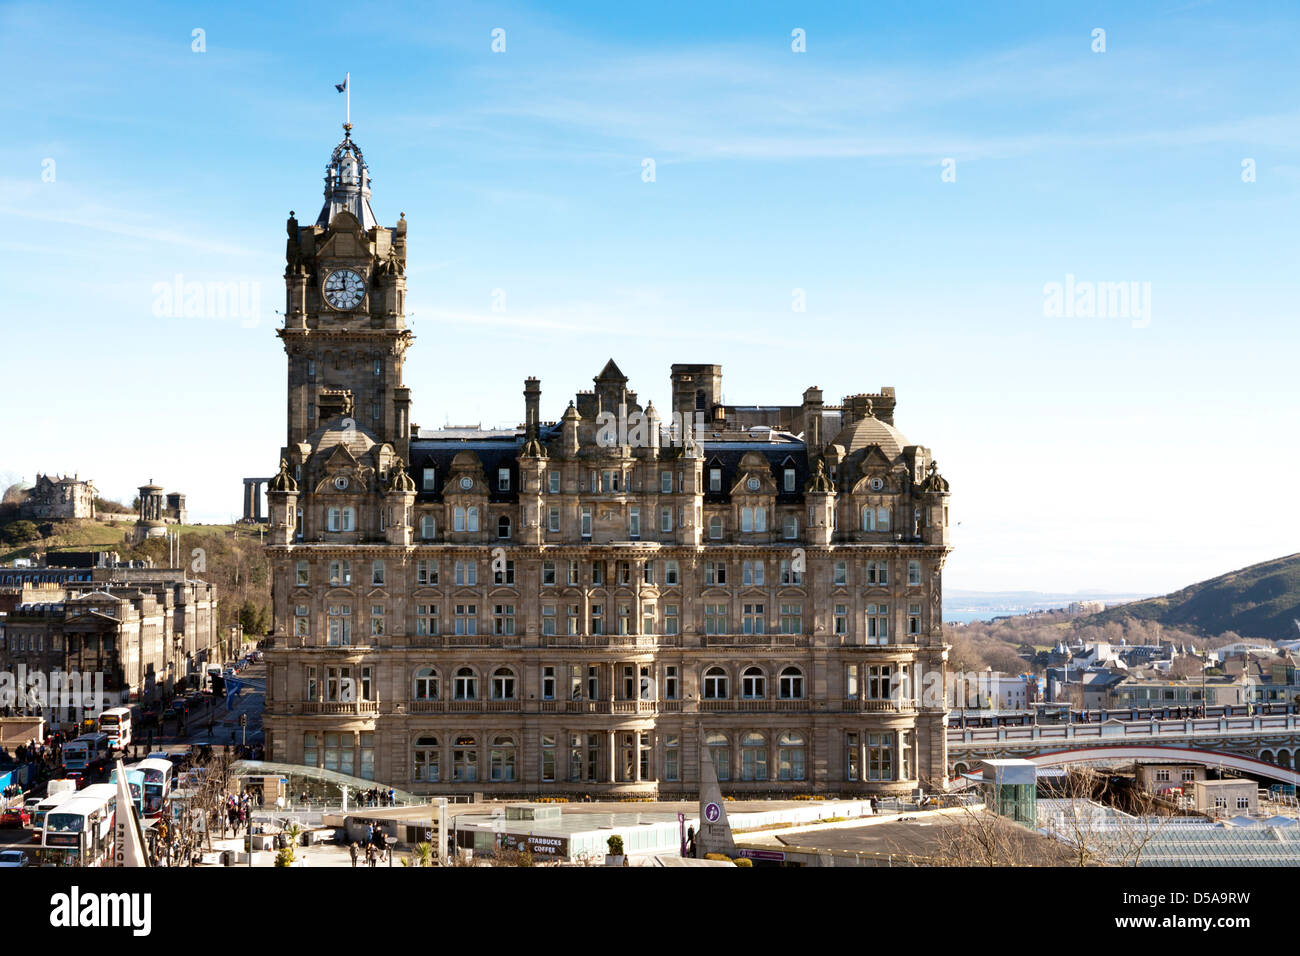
(347, 185)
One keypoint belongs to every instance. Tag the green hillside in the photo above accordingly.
(1262, 600)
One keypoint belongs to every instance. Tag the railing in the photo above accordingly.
(1142, 729)
(759, 704)
(869, 705)
(756, 640)
(365, 707)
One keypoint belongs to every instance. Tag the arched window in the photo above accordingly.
(715, 684)
(882, 519)
(471, 520)
(502, 760)
(753, 683)
(464, 759)
(791, 684)
(349, 519)
(790, 756)
(427, 527)
(720, 751)
(503, 527)
(503, 684)
(426, 684)
(868, 518)
(427, 760)
(458, 520)
(334, 522)
(753, 756)
(715, 527)
(466, 684)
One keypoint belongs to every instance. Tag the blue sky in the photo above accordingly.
(1132, 454)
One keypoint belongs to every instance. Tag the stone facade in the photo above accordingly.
(141, 628)
(578, 606)
(57, 498)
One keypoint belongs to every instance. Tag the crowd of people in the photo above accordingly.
(374, 847)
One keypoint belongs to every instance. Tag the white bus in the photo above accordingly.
(87, 753)
(116, 724)
(48, 803)
(157, 784)
(79, 832)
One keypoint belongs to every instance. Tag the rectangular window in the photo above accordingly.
(671, 685)
(572, 577)
(914, 619)
(665, 482)
(430, 479)
(670, 572)
(634, 522)
(841, 619)
(506, 576)
(648, 573)
(715, 479)
(503, 619)
(503, 479)
(466, 573)
(791, 618)
(586, 521)
(598, 573)
(877, 572)
(790, 528)
(548, 758)
(789, 576)
(754, 619)
(466, 618)
(426, 619)
(913, 573)
(553, 519)
(672, 619)
(377, 573)
(548, 619)
(715, 572)
(841, 573)
(752, 574)
(553, 482)
(376, 620)
(877, 623)
(458, 519)
(672, 757)
(426, 572)
(715, 619)
(597, 619)
(304, 574)
(548, 681)
(665, 520)
(572, 619)
(788, 483)
(548, 573)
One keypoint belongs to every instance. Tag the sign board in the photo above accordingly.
(774, 856)
(536, 845)
(712, 812)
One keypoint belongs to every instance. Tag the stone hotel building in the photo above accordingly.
(578, 606)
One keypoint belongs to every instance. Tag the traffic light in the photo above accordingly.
(243, 720)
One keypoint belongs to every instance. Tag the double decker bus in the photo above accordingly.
(116, 724)
(158, 775)
(135, 784)
(88, 753)
(79, 832)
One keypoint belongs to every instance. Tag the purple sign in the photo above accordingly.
(712, 812)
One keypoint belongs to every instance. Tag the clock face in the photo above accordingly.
(753, 484)
(344, 289)
(467, 483)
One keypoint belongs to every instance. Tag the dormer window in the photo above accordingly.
(788, 484)
(379, 367)
(430, 479)
(503, 479)
(715, 479)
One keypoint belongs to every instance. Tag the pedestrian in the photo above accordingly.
(352, 851)
(370, 855)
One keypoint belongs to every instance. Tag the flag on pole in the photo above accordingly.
(342, 87)
(130, 837)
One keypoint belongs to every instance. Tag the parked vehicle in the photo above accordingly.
(15, 817)
(12, 858)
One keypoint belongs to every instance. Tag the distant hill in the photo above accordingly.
(1262, 600)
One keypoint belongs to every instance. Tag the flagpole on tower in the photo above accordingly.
(347, 89)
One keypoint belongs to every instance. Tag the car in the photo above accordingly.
(30, 803)
(15, 817)
(77, 777)
(180, 707)
(9, 858)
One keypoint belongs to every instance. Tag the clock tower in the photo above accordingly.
(344, 328)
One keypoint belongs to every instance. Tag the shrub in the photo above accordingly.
(615, 844)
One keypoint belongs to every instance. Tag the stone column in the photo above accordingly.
(613, 756)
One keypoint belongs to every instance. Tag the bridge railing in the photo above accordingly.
(1129, 729)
